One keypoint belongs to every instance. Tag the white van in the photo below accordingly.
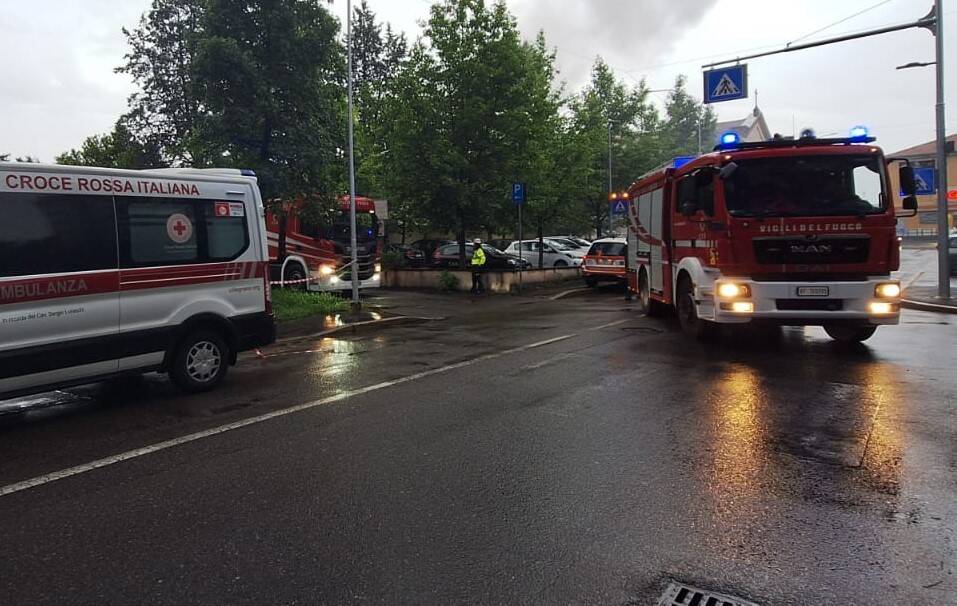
(109, 272)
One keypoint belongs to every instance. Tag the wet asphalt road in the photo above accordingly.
(558, 452)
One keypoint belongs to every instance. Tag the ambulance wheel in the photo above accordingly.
(200, 362)
(295, 273)
(687, 309)
(648, 306)
(844, 333)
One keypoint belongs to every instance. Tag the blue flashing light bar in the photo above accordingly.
(730, 139)
(860, 133)
(680, 161)
(246, 172)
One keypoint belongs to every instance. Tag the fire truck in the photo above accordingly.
(785, 232)
(313, 256)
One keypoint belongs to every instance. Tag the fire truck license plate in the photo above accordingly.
(813, 291)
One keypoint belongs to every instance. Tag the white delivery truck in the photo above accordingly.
(109, 272)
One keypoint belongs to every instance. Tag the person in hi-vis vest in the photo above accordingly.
(478, 266)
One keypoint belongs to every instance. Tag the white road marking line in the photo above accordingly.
(610, 324)
(145, 450)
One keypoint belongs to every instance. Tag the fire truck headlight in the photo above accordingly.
(730, 290)
(378, 268)
(889, 290)
(334, 280)
(742, 307)
(327, 270)
(881, 307)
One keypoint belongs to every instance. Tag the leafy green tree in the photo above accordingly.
(683, 116)
(609, 120)
(160, 61)
(117, 149)
(471, 111)
(269, 77)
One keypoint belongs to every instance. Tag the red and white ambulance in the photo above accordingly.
(110, 272)
(788, 232)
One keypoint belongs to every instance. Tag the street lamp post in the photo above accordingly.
(943, 259)
(354, 262)
(610, 217)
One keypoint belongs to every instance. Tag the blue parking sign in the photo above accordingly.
(518, 193)
(726, 83)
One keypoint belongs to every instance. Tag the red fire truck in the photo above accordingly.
(317, 257)
(787, 232)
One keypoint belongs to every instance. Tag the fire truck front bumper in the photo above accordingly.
(737, 301)
(326, 283)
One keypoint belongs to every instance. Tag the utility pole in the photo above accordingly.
(943, 260)
(610, 217)
(354, 264)
(934, 22)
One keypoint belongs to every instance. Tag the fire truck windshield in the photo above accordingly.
(824, 185)
(367, 227)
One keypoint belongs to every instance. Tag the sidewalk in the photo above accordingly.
(925, 298)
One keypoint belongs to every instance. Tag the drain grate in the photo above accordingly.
(678, 594)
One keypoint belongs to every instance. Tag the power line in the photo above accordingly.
(840, 21)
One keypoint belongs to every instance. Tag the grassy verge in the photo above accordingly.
(290, 304)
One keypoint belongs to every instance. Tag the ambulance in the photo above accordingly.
(114, 272)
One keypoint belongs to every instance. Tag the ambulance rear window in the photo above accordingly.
(608, 249)
(54, 233)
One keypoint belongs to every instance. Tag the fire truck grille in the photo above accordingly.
(366, 267)
(803, 251)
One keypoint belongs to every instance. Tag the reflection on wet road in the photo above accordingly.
(589, 469)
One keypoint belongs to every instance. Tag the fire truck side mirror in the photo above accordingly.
(909, 204)
(727, 170)
(688, 208)
(908, 184)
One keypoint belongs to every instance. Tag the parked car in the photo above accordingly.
(606, 261)
(554, 254)
(448, 257)
(413, 257)
(428, 247)
(575, 241)
(499, 244)
(568, 247)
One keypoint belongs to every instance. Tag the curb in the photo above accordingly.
(356, 325)
(923, 306)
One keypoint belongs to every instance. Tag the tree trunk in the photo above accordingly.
(462, 260)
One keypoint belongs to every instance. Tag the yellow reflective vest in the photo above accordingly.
(478, 257)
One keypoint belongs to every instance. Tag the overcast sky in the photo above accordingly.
(59, 86)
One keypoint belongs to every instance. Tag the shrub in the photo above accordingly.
(392, 260)
(448, 281)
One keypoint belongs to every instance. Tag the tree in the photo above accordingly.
(683, 116)
(269, 76)
(118, 149)
(160, 61)
(461, 123)
(609, 121)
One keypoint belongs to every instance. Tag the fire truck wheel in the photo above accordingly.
(591, 282)
(849, 333)
(200, 361)
(691, 324)
(293, 273)
(648, 306)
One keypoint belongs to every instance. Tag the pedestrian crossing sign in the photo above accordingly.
(619, 207)
(726, 83)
